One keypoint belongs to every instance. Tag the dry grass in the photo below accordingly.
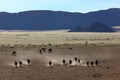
(27, 45)
(57, 37)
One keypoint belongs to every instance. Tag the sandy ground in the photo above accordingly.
(108, 56)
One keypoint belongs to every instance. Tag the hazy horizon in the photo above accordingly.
(59, 10)
(82, 6)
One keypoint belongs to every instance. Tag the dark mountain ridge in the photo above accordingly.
(53, 20)
(95, 27)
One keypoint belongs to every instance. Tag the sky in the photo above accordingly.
(82, 6)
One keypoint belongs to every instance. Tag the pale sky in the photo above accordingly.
(58, 5)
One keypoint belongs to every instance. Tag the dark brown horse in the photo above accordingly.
(96, 62)
(28, 62)
(16, 64)
(50, 63)
(20, 63)
(92, 63)
(78, 60)
(75, 58)
(44, 50)
(50, 50)
(40, 51)
(87, 63)
(63, 61)
(14, 53)
(70, 62)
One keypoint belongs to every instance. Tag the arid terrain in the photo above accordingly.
(20, 46)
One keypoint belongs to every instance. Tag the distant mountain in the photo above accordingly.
(99, 27)
(95, 27)
(53, 20)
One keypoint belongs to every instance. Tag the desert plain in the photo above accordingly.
(104, 47)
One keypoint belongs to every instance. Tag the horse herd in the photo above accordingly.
(20, 63)
(64, 62)
(44, 50)
(77, 61)
(50, 63)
